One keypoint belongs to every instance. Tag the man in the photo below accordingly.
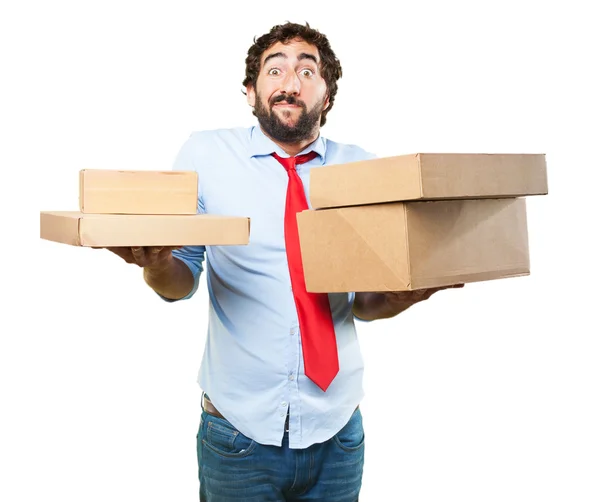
(269, 430)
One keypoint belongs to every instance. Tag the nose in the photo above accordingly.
(291, 84)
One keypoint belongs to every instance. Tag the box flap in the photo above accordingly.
(368, 237)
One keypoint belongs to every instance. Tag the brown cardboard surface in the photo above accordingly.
(403, 246)
(108, 191)
(107, 230)
(428, 176)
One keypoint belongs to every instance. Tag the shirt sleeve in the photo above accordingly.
(187, 159)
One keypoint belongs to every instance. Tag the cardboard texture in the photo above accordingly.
(428, 176)
(412, 245)
(105, 230)
(105, 191)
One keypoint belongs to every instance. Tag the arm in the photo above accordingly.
(370, 306)
(172, 280)
(171, 272)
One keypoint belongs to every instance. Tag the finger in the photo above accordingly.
(166, 252)
(139, 255)
(429, 292)
(426, 293)
(399, 296)
(122, 252)
(449, 286)
(419, 293)
(156, 255)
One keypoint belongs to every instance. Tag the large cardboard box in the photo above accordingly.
(107, 191)
(428, 176)
(412, 245)
(108, 230)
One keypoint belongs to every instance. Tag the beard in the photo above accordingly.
(304, 128)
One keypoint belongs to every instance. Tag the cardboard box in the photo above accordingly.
(412, 245)
(428, 176)
(107, 230)
(106, 191)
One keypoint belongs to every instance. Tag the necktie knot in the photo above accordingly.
(291, 162)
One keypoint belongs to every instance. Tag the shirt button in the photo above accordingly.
(292, 331)
(291, 377)
(283, 403)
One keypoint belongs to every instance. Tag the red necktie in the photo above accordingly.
(314, 313)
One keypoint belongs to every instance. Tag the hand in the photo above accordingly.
(401, 300)
(149, 257)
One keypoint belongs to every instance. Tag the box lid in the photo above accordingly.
(428, 176)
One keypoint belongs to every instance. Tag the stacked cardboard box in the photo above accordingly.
(140, 208)
(417, 221)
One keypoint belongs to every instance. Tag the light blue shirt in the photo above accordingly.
(252, 367)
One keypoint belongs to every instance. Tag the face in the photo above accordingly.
(290, 92)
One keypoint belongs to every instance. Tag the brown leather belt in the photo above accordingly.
(208, 407)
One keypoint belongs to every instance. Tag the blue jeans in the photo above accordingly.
(235, 468)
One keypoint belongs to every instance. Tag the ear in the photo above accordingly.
(251, 95)
(326, 104)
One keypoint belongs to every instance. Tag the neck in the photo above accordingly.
(293, 149)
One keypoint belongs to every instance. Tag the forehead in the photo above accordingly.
(291, 49)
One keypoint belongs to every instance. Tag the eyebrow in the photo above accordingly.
(301, 56)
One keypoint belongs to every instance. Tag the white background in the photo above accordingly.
(489, 393)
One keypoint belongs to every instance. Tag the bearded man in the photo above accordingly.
(282, 370)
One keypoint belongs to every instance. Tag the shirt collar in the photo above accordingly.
(260, 144)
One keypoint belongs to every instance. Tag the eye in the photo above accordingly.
(274, 71)
(307, 72)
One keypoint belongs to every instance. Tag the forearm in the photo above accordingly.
(371, 306)
(173, 280)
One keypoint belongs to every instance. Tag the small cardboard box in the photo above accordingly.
(108, 230)
(428, 176)
(105, 191)
(412, 245)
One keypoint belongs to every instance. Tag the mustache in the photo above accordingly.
(290, 100)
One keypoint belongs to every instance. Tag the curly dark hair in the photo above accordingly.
(330, 66)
